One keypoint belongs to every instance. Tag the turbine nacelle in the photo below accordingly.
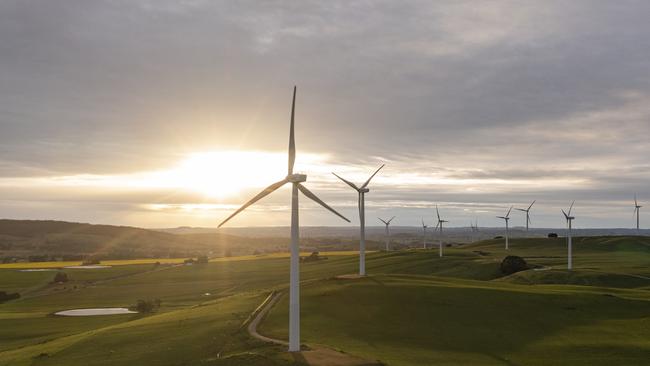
(364, 190)
(296, 178)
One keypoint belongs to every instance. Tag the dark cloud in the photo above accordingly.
(552, 94)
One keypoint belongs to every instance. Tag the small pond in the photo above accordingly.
(93, 312)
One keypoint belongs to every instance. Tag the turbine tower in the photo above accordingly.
(506, 218)
(362, 218)
(636, 211)
(569, 220)
(474, 227)
(387, 222)
(527, 211)
(295, 180)
(424, 234)
(439, 224)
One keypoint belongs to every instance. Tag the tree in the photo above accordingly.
(61, 277)
(6, 296)
(147, 306)
(512, 264)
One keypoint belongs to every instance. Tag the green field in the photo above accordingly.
(413, 309)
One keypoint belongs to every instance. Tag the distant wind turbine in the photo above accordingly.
(362, 218)
(387, 222)
(527, 211)
(474, 227)
(440, 222)
(424, 234)
(506, 218)
(569, 220)
(636, 211)
(295, 180)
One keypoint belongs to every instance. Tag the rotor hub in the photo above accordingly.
(297, 178)
(364, 190)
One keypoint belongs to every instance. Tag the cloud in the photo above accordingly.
(467, 102)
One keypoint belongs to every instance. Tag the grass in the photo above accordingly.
(415, 308)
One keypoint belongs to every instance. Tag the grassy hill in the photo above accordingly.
(58, 240)
(415, 308)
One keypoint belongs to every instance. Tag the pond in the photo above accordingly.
(93, 312)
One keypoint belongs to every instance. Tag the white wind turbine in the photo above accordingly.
(387, 222)
(295, 180)
(424, 234)
(569, 220)
(439, 225)
(362, 218)
(636, 211)
(527, 211)
(506, 218)
(474, 227)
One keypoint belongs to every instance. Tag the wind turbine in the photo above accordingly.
(424, 234)
(506, 218)
(295, 180)
(362, 218)
(474, 227)
(569, 220)
(387, 222)
(636, 211)
(440, 222)
(527, 211)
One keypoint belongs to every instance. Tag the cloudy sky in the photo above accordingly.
(166, 113)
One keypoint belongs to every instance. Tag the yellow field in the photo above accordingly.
(124, 262)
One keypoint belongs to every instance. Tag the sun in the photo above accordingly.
(224, 173)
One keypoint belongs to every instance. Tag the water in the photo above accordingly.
(38, 270)
(93, 312)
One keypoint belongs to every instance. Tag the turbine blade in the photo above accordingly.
(437, 213)
(565, 215)
(521, 209)
(508, 214)
(635, 203)
(437, 225)
(382, 220)
(259, 196)
(347, 181)
(391, 219)
(571, 207)
(422, 222)
(309, 194)
(373, 174)
(531, 205)
(292, 140)
(529, 221)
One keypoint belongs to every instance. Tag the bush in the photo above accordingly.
(552, 235)
(6, 296)
(202, 259)
(61, 277)
(146, 306)
(498, 237)
(90, 262)
(512, 264)
(189, 261)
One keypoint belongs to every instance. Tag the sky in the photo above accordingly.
(173, 113)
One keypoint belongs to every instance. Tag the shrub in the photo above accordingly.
(498, 237)
(202, 259)
(60, 277)
(146, 306)
(512, 264)
(6, 296)
(552, 235)
(90, 262)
